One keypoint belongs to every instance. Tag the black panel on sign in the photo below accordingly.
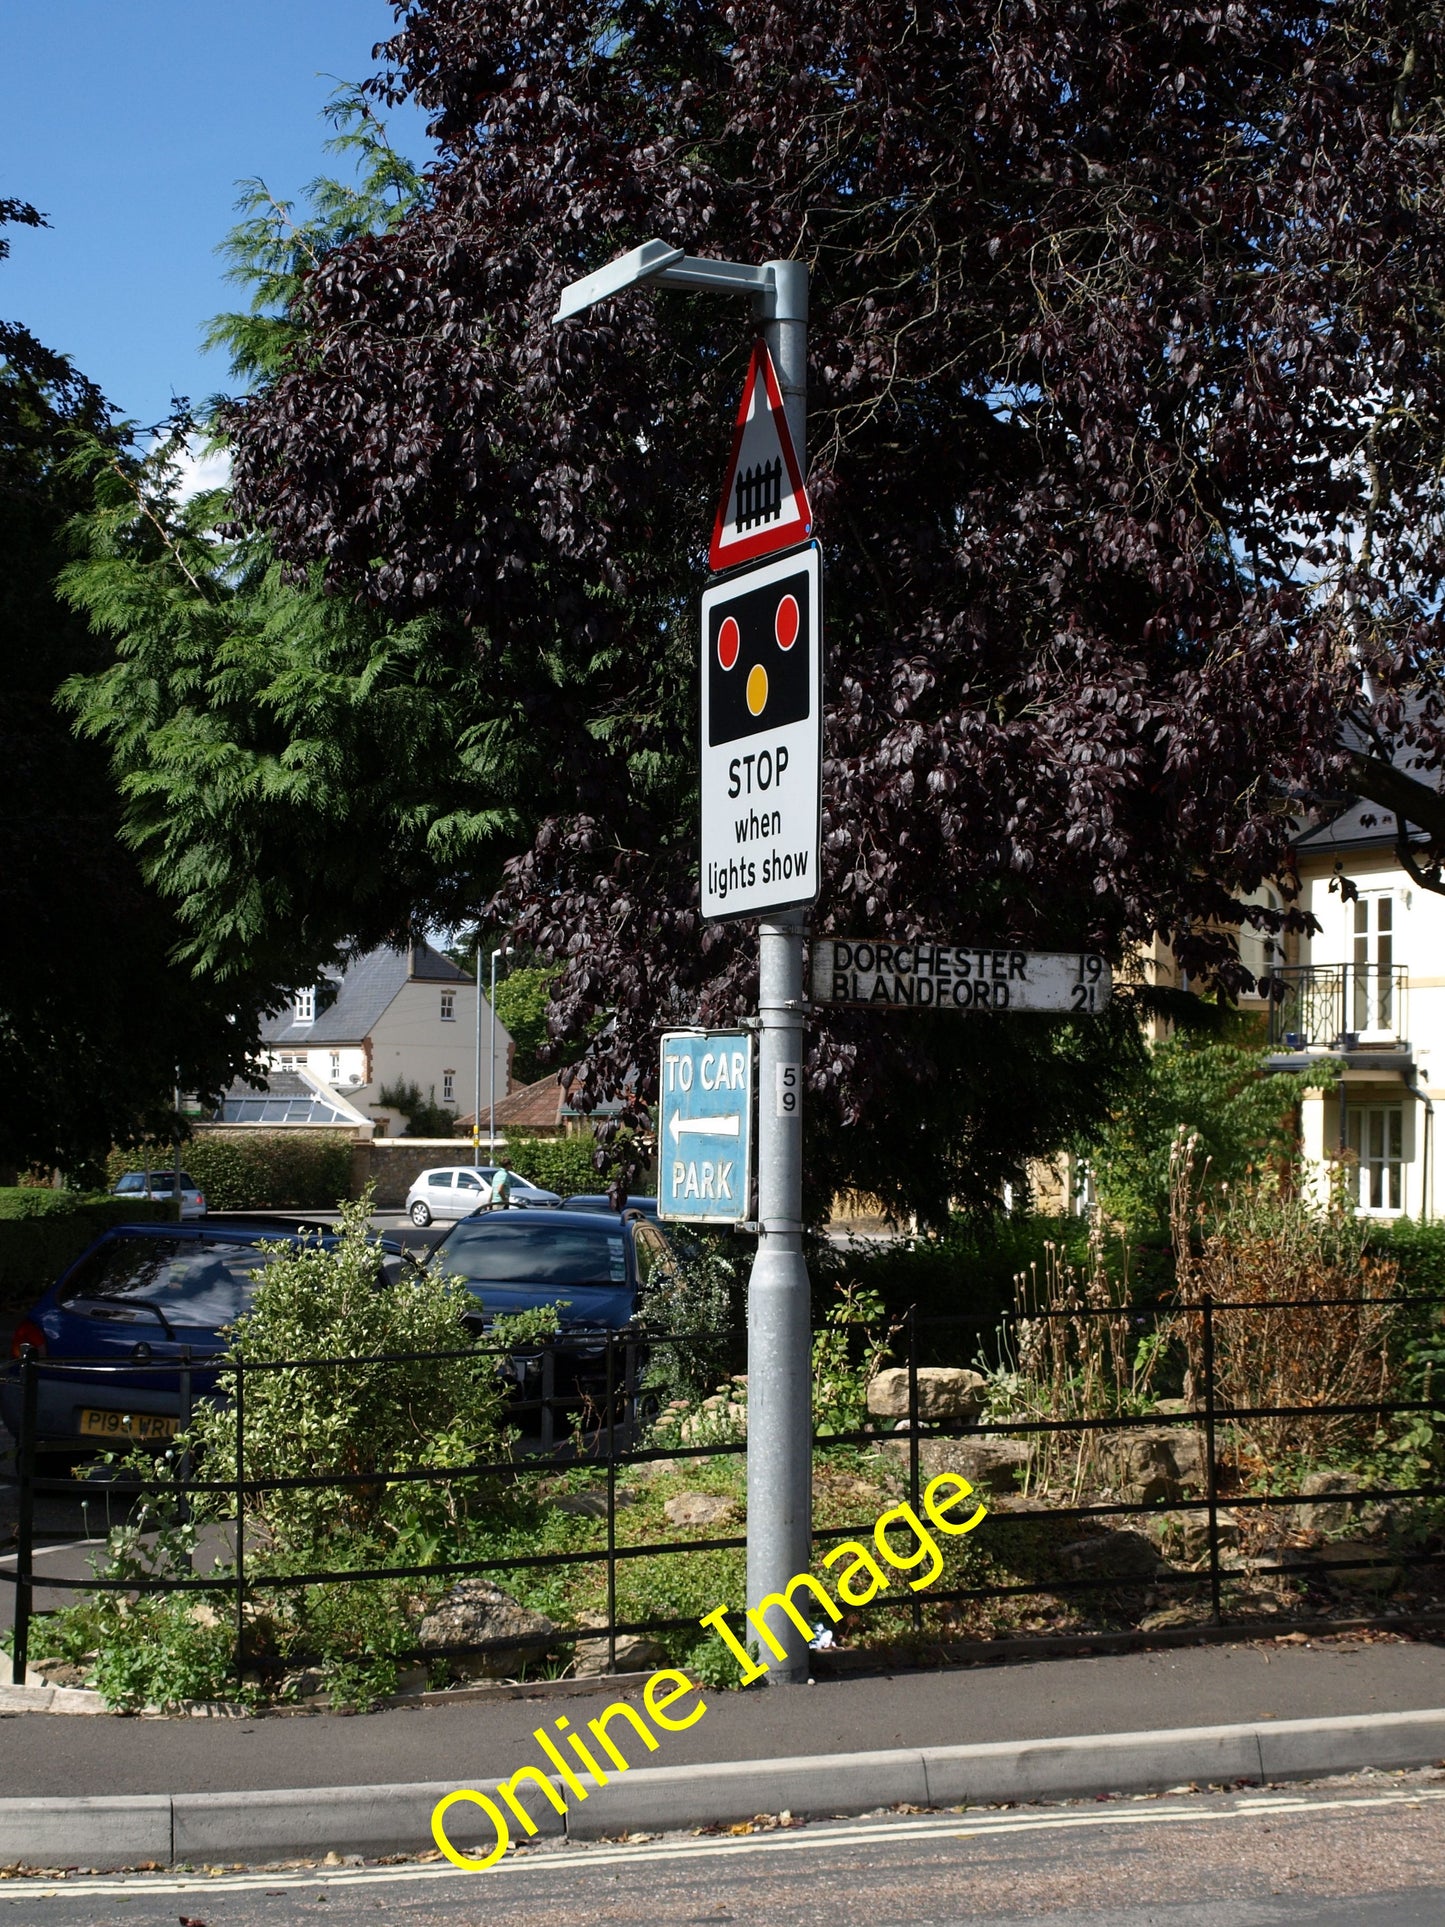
(757, 659)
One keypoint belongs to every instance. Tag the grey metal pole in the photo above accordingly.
(492, 1067)
(477, 1069)
(780, 1366)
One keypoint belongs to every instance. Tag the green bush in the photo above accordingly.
(42, 1231)
(561, 1164)
(1419, 1251)
(254, 1170)
(354, 1420)
(965, 1273)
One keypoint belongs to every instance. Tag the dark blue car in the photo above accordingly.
(143, 1295)
(590, 1264)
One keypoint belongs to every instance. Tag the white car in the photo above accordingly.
(457, 1190)
(162, 1185)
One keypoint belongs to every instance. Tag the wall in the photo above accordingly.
(410, 1043)
(392, 1163)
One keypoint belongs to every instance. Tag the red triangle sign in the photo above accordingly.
(764, 504)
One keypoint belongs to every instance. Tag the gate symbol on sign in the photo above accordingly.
(759, 493)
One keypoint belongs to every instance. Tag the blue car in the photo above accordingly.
(143, 1295)
(599, 1201)
(590, 1264)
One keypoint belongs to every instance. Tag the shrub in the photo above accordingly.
(254, 1170)
(424, 1117)
(41, 1232)
(560, 1164)
(1252, 1244)
(355, 1420)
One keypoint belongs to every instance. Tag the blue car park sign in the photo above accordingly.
(705, 1135)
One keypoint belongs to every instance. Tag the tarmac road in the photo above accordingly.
(1362, 1852)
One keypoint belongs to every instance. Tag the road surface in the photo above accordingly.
(1366, 1852)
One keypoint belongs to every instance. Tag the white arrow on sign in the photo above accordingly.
(728, 1126)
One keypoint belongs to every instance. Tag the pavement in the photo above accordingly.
(110, 1791)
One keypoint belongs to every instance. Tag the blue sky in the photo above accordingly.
(128, 124)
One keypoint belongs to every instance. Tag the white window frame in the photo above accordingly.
(449, 1006)
(1372, 930)
(449, 1087)
(335, 1066)
(1375, 1133)
(305, 1006)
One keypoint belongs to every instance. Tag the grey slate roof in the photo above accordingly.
(285, 1098)
(367, 987)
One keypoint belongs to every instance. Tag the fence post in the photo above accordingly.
(917, 1613)
(240, 1517)
(611, 1512)
(546, 1434)
(1211, 1479)
(25, 1521)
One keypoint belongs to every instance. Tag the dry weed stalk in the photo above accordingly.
(1078, 1357)
(1255, 1243)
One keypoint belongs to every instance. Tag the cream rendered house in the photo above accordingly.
(1366, 994)
(398, 1016)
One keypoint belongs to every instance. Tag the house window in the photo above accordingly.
(306, 1006)
(449, 1009)
(335, 1065)
(293, 1060)
(449, 1082)
(1376, 1135)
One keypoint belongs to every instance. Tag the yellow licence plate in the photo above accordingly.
(128, 1425)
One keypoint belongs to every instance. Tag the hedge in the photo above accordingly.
(41, 1231)
(253, 1170)
(560, 1164)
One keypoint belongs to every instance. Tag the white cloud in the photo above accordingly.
(200, 469)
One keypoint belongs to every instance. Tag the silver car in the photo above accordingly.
(162, 1185)
(457, 1190)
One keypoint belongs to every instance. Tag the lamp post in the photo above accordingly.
(477, 1068)
(780, 1429)
(492, 1066)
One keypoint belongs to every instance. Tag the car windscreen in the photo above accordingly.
(132, 1182)
(200, 1282)
(494, 1252)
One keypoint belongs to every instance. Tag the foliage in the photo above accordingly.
(1078, 1351)
(561, 1164)
(1253, 1243)
(424, 1116)
(41, 1232)
(254, 1170)
(1216, 1089)
(848, 1349)
(1123, 371)
(302, 779)
(95, 1015)
(693, 1297)
(523, 997)
(353, 1421)
(1417, 1249)
(963, 1274)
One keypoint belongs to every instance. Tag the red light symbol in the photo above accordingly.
(787, 622)
(729, 641)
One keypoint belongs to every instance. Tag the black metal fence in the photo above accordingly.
(613, 1428)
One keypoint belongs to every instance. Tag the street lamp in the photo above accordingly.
(492, 1064)
(780, 1430)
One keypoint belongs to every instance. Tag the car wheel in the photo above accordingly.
(419, 1215)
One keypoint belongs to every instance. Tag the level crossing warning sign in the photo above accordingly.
(764, 506)
(762, 704)
(705, 1127)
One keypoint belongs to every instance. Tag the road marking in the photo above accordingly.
(565, 1859)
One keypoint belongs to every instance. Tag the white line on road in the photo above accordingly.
(565, 1859)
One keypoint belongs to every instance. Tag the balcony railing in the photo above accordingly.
(1336, 1006)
